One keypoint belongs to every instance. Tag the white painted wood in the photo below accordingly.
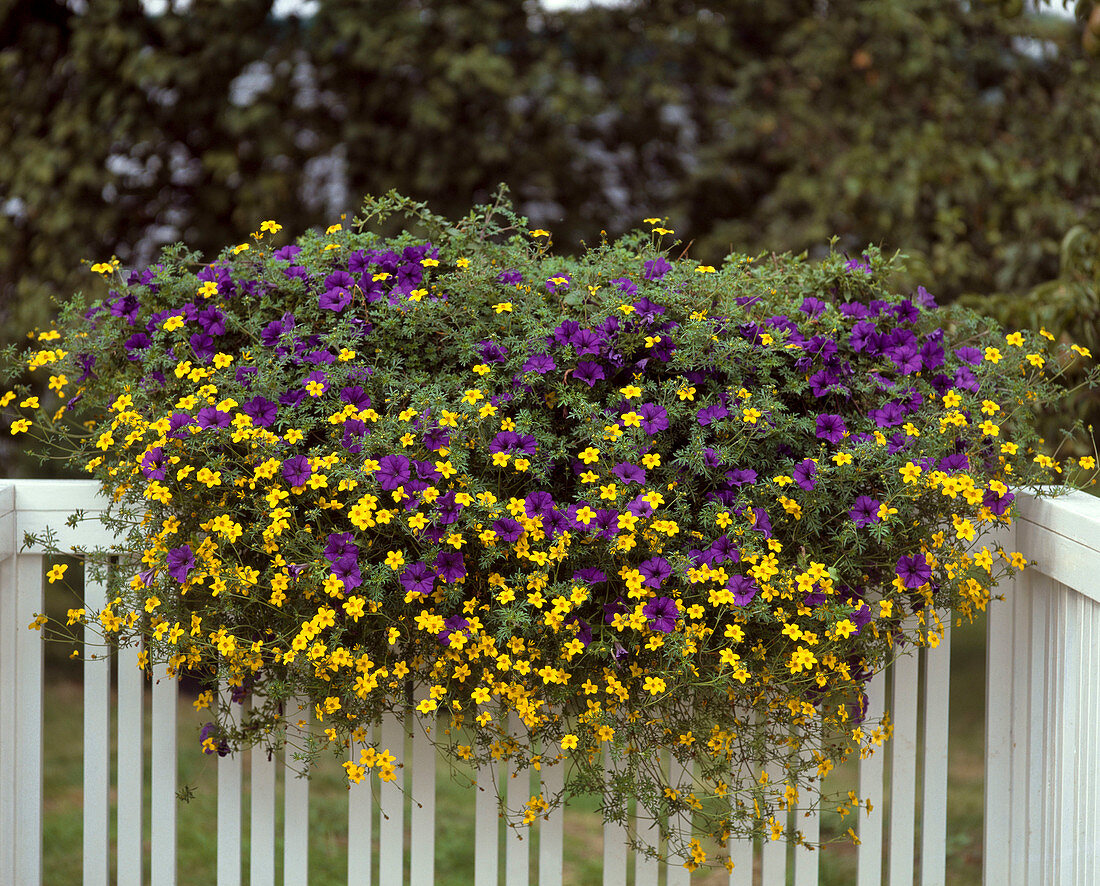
(615, 836)
(647, 827)
(903, 764)
(1067, 800)
(261, 834)
(422, 833)
(130, 765)
(681, 776)
(97, 753)
(1030, 709)
(1063, 535)
(741, 854)
(773, 853)
(28, 721)
(47, 504)
(551, 826)
(1020, 684)
(807, 815)
(936, 700)
(296, 796)
(360, 809)
(516, 835)
(486, 836)
(229, 799)
(9, 679)
(869, 827)
(391, 825)
(163, 763)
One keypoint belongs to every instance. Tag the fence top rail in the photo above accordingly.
(1062, 536)
(36, 505)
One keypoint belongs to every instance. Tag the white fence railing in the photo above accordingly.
(1042, 770)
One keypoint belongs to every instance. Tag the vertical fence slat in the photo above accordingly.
(681, 777)
(996, 861)
(360, 807)
(28, 722)
(295, 797)
(806, 862)
(261, 833)
(391, 826)
(97, 752)
(614, 841)
(163, 763)
(1066, 796)
(131, 766)
(741, 854)
(1048, 761)
(869, 829)
(229, 800)
(647, 826)
(1033, 674)
(486, 836)
(422, 834)
(937, 685)
(903, 765)
(517, 857)
(551, 826)
(9, 679)
(773, 853)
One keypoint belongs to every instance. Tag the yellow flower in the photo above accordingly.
(395, 559)
(57, 572)
(19, 426)
(568, 741)
(273, 227)
(703, 269)
(462, 264)
(173, 323)
(539, 232)
(503, 307)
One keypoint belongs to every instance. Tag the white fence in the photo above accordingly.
(1042, 770)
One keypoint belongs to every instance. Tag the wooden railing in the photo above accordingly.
(1042, 785)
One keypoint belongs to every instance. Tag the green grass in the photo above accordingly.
(454, 805)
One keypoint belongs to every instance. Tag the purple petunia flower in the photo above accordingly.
(507, 529)
(623, 284)
(296, 470)
(450, 566)
(655, 570)
(804, 474)
(661, 613)
(212, 417)
(152, 464)
(656, 268)
(180, 561)
(393, 471)
(418, 578)
(741, 477)
(261, 410)
(654, 417)
(510, 277)
(865, 511)
(541, 363)
(334, 300)
(591, 575)
(830, 428)
(629, 473)
(914, 571)
(744, 589)
(588, 372)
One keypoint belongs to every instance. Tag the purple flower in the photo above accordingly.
(804, 474)
(418, 578)
(831, 428)
(180, 561)
(393, 471)
(741, 477)
(655, 570)
(296, 470)
(623, 284)
(334, 300)
(661, 613)
(212, 417)
(588, 372)
(812, 306)
(261, 411)
(865, 511)
(629, 473)
(654, 418)
(510, 277)
(507, 529)
(656, 268)
(450, 566)
(541, 363)
(743, 588)
(152, 464)
(914, 571)
(559, 282)
(591, 575)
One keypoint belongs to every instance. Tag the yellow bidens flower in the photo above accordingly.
(504, 307)
(271, 226)
(57, 572)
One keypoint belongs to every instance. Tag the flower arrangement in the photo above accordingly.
(635, 502)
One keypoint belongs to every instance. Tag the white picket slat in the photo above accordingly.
(28, 721)
(295, 796)
(903, 764)
(360, 809)
(869, 828)
(391, 804)
(615, 836)
(97, 751)
(9, 680)
(936, 703)
(230, 769)
(486, 836)
(422, 833)
(808, 820)
(551, 827)
(163, 762)
(130, 766)
(261, 832)
(681, 776)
